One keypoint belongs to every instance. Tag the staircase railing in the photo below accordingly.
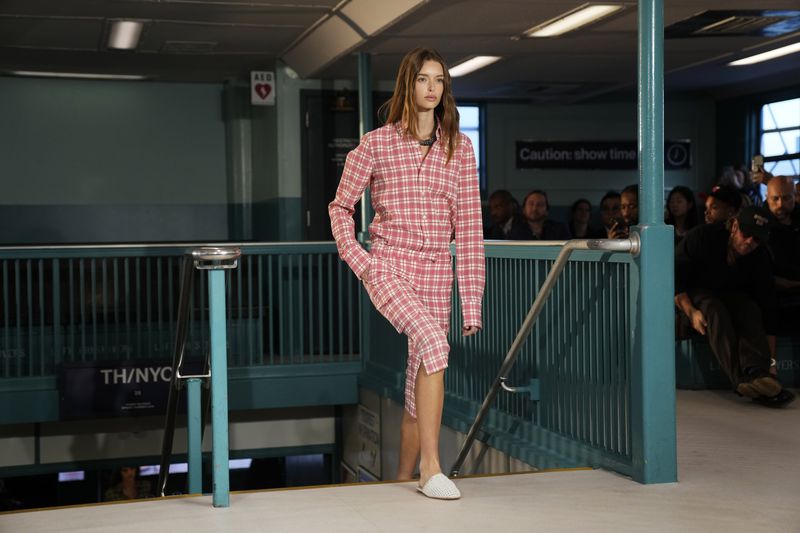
(630, 245)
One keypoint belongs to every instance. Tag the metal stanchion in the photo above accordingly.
(216, 261)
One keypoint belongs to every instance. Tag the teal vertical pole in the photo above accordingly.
(193, 436)
(219, 388)
(653, 369)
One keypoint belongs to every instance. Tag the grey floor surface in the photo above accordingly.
(738, 470)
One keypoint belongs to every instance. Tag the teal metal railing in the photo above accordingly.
(297, 303)
(576, 363)
(288, 303)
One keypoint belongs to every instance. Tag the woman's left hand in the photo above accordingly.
(469, 331)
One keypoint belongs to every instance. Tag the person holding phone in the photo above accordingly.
(423, 180)
(629, 213)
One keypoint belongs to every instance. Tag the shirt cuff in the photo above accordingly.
(472, 314)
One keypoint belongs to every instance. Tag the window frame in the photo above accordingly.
(481, 149)
(795, 156)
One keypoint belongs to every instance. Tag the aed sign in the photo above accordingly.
(262, 87)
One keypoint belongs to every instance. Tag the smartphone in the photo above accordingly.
(757, 163)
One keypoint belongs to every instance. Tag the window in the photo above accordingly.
(780, 137)
(470, 125)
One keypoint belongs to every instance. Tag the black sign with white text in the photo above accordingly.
(594, 155)
(116, 388)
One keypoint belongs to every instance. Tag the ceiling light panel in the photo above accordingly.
(76, 75)
(766, 56)
(572, 20)
(471, 65)
(124, 34)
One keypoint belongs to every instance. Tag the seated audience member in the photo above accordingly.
(723, 284)
(784, 250)
(784, 245)
(536, 207)
(629, 213)
(579, 217)
(609, 211)
(507, 222)
(126, 485)
(722, 203)
(681, 210)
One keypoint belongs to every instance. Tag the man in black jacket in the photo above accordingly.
(784, 250)
(723, 284)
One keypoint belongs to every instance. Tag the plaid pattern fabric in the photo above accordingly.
(413, 293)
(419, 206)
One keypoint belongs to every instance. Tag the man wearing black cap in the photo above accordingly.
(723, 284)
(722, 203)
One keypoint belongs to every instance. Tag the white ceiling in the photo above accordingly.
(212, 40)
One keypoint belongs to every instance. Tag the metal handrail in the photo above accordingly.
(630, 245)
(187, 278)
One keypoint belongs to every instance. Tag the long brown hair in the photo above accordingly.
(401, 106)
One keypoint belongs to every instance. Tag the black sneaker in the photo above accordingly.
(760, 384)
(782, 399)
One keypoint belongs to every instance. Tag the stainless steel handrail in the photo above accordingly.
(630, 245)
(187, 277)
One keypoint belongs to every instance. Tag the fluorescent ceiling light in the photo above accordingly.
(81, 75)
(471, 65)
(766, 56)
(573, 20)
(124, 34)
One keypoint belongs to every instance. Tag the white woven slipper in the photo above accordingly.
(439, 487)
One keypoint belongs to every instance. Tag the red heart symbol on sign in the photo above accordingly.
(263, 90)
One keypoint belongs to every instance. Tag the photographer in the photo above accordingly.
(629, 210)
(723, 284)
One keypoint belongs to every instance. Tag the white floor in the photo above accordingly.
(738, 467)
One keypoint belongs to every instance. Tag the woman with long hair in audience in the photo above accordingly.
(423, 180)
(580, 216)
(681, 210)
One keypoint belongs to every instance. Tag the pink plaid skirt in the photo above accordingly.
(412, 291)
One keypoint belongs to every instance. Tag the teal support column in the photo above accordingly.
(194, 442)
(365, 124)
(653, 369)
(219, 388)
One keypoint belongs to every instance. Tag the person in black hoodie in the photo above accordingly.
(724, 286)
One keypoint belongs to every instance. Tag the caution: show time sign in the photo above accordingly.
(593, 155)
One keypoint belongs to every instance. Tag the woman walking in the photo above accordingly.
(424, 187)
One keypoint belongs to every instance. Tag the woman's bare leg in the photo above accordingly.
(430, 401)
(409, 447)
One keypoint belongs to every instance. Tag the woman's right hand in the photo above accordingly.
(365, 276)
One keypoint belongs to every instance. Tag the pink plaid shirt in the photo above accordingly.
(418, 204)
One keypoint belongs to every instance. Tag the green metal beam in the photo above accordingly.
(653, 365)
